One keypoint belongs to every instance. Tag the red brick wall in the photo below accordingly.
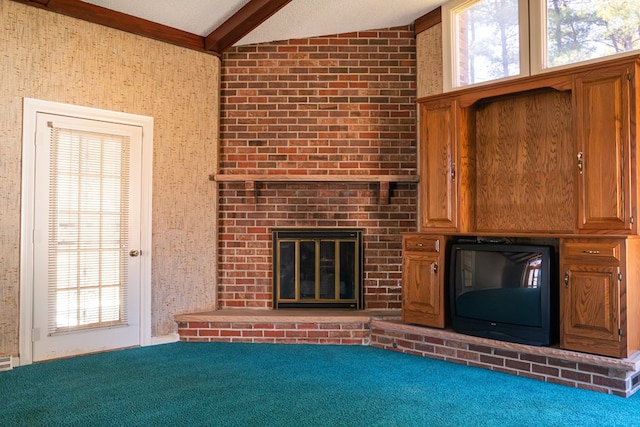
(277, 332)
(338, 105)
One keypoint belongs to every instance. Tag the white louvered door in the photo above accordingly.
(86, 241)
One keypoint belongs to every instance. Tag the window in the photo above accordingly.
(488, 40)
(88, 229)
(532, 273)
(485, 41)
(580, 30)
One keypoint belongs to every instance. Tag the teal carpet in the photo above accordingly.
(219, 384)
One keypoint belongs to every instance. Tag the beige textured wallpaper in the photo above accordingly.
(429, 58)
(52, 57)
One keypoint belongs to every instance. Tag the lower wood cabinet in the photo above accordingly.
(599, 310)
(599, 295)
(423, 275)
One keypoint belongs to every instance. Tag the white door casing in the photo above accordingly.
(37, 342)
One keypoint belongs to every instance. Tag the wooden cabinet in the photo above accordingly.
(446, 166)
(423, 296)
(546, 156)
(525, 167)
(590, 293)
(599, 310)
(604, 113)
(438, 165)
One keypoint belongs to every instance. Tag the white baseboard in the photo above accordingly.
(165, 339)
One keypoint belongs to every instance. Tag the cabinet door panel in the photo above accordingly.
(525, 164)
(422, 296)
(438, 198)
(602, 119)
(421, 273)
(590, 316)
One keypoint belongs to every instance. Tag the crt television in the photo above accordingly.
(504, 291)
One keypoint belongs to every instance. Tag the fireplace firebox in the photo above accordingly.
(319, 268)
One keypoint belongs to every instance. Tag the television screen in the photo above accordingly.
(501, 291)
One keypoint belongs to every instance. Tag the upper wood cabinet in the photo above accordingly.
(445, 166)
(548, 154)
(604, 114)
(525, 163)
(438, 165)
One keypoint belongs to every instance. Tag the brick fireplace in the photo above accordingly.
(318, 132)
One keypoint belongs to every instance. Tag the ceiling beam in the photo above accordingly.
(121, 21)
(242, 23)
(428, 20)
(252, 14)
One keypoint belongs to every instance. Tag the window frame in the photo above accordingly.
(451, 49)
(533, 37)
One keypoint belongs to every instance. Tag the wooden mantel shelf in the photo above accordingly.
(251, 190)
(314, 178)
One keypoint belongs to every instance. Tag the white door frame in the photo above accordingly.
(31, 108)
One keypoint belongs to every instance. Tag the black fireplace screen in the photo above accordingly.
(317, 268)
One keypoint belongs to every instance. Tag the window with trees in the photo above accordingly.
(579, 30)
(487, 40)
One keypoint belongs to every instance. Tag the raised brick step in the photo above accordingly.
(383, 329)
(291, 326)
(609, 375)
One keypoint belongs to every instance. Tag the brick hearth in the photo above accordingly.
(290, 326)
(620, 377)
(383, 329)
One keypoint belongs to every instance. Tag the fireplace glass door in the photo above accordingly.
(317, 268)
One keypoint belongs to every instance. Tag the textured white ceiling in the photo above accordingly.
(310, 18)
(298, 19)
(194, 16)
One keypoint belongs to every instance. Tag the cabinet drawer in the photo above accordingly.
(425, 244)
(592, 251)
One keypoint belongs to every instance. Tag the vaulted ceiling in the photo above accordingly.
(213, 26)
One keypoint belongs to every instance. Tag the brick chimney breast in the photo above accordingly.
(339, 105)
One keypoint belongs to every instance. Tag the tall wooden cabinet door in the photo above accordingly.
(438, 141)
(603, 120)
(590, 310)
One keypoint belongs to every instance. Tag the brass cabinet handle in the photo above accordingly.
(434, 267)
(591, 252)
(580, 162)
(566, 279)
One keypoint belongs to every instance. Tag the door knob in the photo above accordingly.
(134, 253)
